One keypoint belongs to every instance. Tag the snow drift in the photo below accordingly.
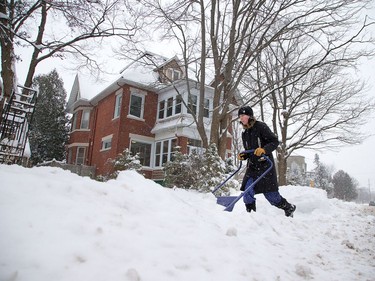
(55, 225)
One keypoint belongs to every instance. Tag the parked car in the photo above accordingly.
(372, 203)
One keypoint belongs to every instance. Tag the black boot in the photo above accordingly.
(287, 207)
(250, 207)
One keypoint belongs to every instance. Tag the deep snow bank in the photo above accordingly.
(55, 225)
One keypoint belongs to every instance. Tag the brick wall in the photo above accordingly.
(104, 126)
(120, 127)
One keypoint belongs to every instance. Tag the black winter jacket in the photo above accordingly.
(260, 135)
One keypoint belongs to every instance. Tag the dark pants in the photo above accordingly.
(249, 197)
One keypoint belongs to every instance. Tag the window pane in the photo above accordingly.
(106, 142)
(165, 158)
(165, 151)
(169, 107)
(117, 106)
(85, 119)
(176, 75)
(169, 74)
(177, 109)
(161, 109)
(173, 148)
(173, 74)
(157, 160)
(136, 106)
(80, 155)
(194, 144)
(74, 123)
(144, 150)
(206, 111)
(192, 104)
(157, 154)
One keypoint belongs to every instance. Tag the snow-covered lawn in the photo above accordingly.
(55, 225)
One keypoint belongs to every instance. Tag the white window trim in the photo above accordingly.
(141, 138)
(196, 104)
(174, 104)
(171, 72)
(209, 107)
(117, 109)
(81, 130)
(84, 155)
(159, 102)
(141, 94)
(104, 139)
(169, 152)
(146, 140)
(88, 121)
(85, 144)
(74, 122)
(170, 107)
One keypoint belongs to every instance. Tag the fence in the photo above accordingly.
(81, 170)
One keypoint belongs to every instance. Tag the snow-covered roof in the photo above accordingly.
(84, 89)
(143, 72)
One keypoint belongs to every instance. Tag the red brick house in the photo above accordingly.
(141, 110)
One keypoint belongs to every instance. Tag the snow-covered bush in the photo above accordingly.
(176, 171)
(202, 172)
(123, 161)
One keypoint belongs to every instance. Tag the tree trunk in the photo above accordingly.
(222, 142)
(281, 167)
(7, 73)
(34, 58)
(7, 55)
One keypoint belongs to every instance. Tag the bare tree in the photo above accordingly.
(82, 25)
(315, 103)
(226, 42)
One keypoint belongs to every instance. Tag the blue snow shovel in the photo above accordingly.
(230, 201)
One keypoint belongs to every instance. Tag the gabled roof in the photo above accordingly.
(79, 95)
(142, 72)
(148, 60)
(75, 95)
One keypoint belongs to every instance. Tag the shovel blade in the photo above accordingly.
(225, 200)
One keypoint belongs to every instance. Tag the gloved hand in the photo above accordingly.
(242, 156)
(259, 151)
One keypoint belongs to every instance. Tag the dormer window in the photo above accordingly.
(173, 74)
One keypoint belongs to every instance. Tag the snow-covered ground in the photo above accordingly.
(55, 225)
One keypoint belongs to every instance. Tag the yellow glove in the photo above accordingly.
(259, 151)
(242, 156)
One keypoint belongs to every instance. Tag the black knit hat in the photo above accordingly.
(245, 110)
